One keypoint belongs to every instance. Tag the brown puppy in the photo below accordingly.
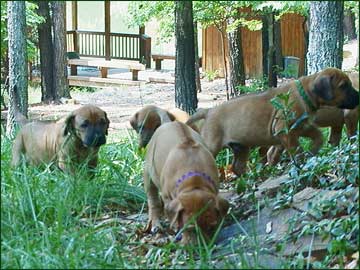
(251, 120)
(68, 141)
(336, 118)
(183, 171)
(149, 118)
(327, 117)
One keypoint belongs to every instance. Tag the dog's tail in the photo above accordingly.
(188, 139)
(200, 114)
(20, 119)
(193, 121)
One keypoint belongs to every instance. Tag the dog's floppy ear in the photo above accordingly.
(222, 205)
(133, 121)
(171, 116)
(173, 211)
(164, 116)
(69, 124)
(322, 87)
(107, 123)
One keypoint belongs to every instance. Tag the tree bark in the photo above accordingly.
(197, 65)
(236, 60)
(17, 63)
(349, 25)
(222, 30)
(278, 46)
(48, 93)
(265, 43)
(272, 78)
(59, 43)
(305, 27)
(185, 85)
(326, 36)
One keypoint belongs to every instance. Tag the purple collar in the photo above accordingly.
(190, 174)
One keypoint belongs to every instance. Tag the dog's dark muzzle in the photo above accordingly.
(352, 99)
(95, 140)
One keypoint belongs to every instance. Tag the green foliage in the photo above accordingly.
(32, 21)
(142, 12)
(211, 75)
(282, 104)
(256, 85)
(83, 89)
(283, 7)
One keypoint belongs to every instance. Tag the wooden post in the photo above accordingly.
(158, 64)
(74, 11)
(142, 44)
(107, 30)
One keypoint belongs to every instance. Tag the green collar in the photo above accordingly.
(304, 96)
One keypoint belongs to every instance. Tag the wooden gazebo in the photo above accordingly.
(107, 44)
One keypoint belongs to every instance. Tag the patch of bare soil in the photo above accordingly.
(122, 102)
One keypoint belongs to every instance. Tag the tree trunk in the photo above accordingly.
(236, 60)
(185, 86)
(17, 63)
(197, 65)
(272, 79)
(272, 51)
(326, 36)
(305, 27)
(349, 25)
(278, 46)
(222, 30)
(59, 43)
(48, 93)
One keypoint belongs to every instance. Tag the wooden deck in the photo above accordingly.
(100, 82)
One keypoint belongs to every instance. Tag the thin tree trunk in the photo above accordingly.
(271, 52)
(326, 36)
(278, 46)
(60, 68)
(48, 93)
(197, 65)
(185, 85)
(305, 27)
(222, 30)
(17, 63)
(236, 60)
(349, 25)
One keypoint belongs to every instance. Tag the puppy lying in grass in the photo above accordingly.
(183, 171)
(68, 142)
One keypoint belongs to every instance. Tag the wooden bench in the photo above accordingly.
(103, 65)
(159, 57)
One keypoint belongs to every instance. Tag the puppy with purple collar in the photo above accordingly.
(180, 168)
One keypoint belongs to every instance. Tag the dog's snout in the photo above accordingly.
(351, 101)
(95, 140)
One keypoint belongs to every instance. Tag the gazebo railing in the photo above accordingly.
(122, 46)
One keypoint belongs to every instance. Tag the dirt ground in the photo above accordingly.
(122, 102)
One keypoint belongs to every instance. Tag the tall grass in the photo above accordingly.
(50, 219)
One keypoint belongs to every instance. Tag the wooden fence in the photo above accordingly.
(122, 46)
(292, 41)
